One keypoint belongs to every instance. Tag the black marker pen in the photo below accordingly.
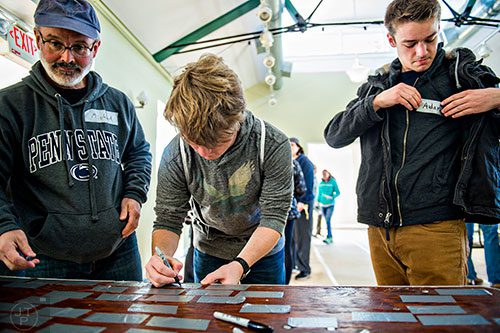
(243, 322)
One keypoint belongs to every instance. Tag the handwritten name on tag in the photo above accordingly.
(430, 106)
(101, 116)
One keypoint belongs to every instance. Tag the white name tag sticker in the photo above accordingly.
(430, 106)
(101, 116)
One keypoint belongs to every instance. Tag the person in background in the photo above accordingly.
(233, 170)
(299, 189)
(305, 205)
(414, 118)
(491, 255)
(328, 190)
(75, 166)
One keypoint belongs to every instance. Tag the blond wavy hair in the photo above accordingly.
(207, 103)
(403, 11)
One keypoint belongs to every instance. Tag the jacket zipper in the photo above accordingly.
(405, 141)
(387, 222)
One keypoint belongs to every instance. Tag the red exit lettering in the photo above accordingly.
(23, 40)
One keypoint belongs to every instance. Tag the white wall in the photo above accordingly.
(122, 67)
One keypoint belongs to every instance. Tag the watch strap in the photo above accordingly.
(244, 264)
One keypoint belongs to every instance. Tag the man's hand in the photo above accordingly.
(300, 206)
(159, 274)
(130, 212)
(10, 243)
(401, 93)
(470, 102)
(227, 274)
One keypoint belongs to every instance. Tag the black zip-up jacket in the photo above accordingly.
(436, 184)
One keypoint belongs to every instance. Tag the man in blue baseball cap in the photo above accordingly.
(74, 163)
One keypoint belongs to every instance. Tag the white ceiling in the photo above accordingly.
(159, 23)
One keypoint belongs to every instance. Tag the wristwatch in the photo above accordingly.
(244, 264)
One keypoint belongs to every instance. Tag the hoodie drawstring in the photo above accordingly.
(64, 150)
(92, 195)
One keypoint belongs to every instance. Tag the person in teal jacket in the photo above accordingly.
(328, 190)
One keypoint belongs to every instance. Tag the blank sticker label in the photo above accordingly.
(63, 328)
(427, 299)
(228, 286)
(158, 291)
(166, 298)
(436, 309)
(181, 323)
(117, 297)
(453, 320)
(204, 292)
(220, 299)
(464, 292)
(321, 322)
(117, 318)
(62, 312)
(110, 289)
(169, 309)
(28, 321)
(384, 317)
(67, 294)
(265, 308)
(261, 294)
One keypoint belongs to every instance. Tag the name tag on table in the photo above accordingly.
(430, 106)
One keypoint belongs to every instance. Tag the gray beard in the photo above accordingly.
(65, 81)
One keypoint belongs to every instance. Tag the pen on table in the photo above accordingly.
(243, 322)
(165, 261)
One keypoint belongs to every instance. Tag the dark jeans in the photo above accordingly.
(289, 250)
(268, 270)
(302, 236)
(122, 265)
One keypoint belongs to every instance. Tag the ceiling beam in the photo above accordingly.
(206, 29)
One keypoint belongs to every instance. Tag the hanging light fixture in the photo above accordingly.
(265, 14)
(358, 72)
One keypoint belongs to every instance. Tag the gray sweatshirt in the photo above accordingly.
(233, 194)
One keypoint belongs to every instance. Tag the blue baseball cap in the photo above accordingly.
(75, 15)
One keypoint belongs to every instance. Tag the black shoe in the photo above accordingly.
(303, 276)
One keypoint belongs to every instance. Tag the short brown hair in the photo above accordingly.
(402, 11)
(207, 101)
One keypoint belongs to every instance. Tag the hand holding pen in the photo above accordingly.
(160, 253)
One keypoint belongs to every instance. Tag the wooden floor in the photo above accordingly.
(347, 260)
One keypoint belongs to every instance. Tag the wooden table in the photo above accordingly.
(305, 301)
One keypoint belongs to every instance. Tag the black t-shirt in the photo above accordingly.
(425, 150)
(72, 95)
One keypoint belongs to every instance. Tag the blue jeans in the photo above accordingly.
(122, 265)
(268, 270)
(491, 252)
(327, 212)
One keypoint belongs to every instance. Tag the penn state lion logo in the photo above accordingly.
(81, 172)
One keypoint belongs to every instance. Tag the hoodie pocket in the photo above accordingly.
(77, 238)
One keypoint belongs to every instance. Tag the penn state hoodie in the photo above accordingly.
(64, 169)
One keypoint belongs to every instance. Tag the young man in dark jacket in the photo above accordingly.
(74, 163)
(427, 149)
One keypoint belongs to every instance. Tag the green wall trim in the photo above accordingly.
(206, 29)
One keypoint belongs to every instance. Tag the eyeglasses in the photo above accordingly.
(77, 50)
